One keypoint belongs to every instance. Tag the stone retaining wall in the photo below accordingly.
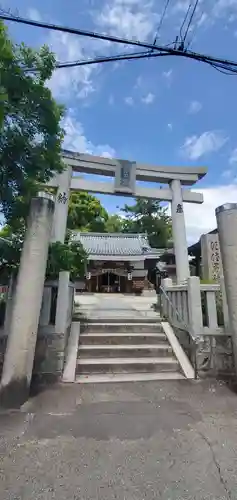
(49, 355)
(211, 355)
(53, 331)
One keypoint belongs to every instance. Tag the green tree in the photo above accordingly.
(66, 257)
(85, 213)
(61, 257)
(148, 216)
(30, 131)
(10, 252)
(114, 224)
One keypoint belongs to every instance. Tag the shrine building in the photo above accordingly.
(117, 262)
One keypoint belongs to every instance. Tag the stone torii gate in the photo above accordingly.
(125, 174)
(48, 220)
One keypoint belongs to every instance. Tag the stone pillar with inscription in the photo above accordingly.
(61, 206)
(226, 216)
(211, 257)
(179, 233)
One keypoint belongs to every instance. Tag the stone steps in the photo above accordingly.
(108, 338)
(123, 350)
(127, 377)
(127, 365)
(122, 327)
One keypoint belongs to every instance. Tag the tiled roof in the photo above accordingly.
(117, 244)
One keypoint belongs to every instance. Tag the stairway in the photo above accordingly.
(123, 352)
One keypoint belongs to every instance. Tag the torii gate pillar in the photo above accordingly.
(179, 232)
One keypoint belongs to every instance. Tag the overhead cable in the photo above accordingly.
(225, 63)
(190, 21)
(184, 21)
(161, 21)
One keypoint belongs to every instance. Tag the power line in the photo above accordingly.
(74, 31)
(98, 60)
(224, 64)
(190, 21)
(161, 21)
(121, 57)
(184, 21)
(148, 55)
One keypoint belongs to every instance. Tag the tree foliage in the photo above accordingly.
(114, 224)
(10, 252)
(66, 257)
(61, 257)
(148, 216)
(85, 213)
(30, 131)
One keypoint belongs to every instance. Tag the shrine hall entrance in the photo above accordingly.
(109, 282)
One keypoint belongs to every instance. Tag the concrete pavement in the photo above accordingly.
(116, 306)
(166, 440)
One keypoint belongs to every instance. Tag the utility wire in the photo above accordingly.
(184, 21)
(148, 55)
(74, 31)
(161, 21)
(224, 64)
(121, 57)
(97, 60)
(190, 21)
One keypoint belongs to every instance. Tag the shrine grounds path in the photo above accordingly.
(132, 441)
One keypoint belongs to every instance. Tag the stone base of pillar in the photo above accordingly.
(15, 393)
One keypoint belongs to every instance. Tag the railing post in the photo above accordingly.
(211, 310)
(195, 306)
(184, 303)
(62, 302)
(166, 282)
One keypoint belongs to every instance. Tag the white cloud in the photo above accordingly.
(181, 6)
(194, 107)
(200, 219)
(76, 80)
(203, 19)
(233, 157)
(168, 75)
(76, 140)
(128, 18)
(129, 100)
(34, 14)
(139, 82)
(149, 98)
(221, 6)
(196, 146)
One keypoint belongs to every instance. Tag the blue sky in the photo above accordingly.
(168, 111)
